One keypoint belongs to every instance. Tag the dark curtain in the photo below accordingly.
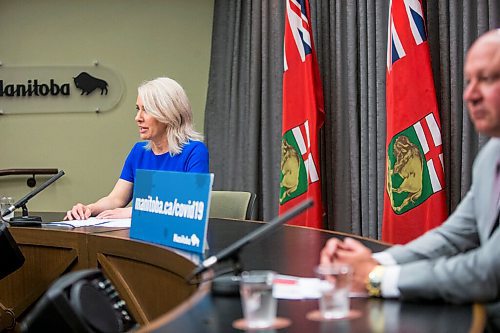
(243, 112)
(243, 109)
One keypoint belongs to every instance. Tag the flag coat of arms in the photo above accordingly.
(414, 197)
(303, 116)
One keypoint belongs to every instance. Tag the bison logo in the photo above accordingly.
(195, 241)
(87, 84)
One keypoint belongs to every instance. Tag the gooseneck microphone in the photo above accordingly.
(25, 219)
(229, 251)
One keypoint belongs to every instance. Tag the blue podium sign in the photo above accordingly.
(171, 208)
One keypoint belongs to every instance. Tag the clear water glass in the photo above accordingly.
(259, 305)
(335, 285)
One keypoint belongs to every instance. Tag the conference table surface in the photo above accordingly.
(295, 251)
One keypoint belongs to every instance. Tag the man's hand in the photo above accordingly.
(329, 251)
(360, 258)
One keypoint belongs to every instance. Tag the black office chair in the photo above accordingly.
(237, 205)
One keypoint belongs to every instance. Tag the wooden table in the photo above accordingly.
(151, 280)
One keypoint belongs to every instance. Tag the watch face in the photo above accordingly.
(375, 281)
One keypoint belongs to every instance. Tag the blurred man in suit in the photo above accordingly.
(459, 261)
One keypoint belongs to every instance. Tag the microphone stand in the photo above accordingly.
(25, 220)
(26, 217)
(228, 283)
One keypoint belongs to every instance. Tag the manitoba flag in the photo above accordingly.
(414, 198)
(302, 117)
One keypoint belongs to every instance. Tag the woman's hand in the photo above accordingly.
(78, 212)
(107, 207)
(117, 213)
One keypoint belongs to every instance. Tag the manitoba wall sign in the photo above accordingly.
(56, 89)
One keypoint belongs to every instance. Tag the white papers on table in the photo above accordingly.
(93, 221)
(293, 287)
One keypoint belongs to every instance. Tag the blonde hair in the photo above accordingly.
(167, 102)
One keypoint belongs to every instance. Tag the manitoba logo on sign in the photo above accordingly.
(37, 88)
(415, 165)
(52, 89)
(298, 169)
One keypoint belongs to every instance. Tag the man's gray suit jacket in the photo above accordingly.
(459, 261)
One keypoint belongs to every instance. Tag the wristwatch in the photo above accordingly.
(374, 281)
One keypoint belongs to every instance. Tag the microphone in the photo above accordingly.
(236, 246)
(26, 220)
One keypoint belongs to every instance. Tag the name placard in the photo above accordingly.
(171, 208)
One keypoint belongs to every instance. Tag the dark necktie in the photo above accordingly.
(496, 200)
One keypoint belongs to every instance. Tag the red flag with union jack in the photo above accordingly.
(303, 116)
(414, 198)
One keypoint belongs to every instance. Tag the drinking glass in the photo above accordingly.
(259, 305)
(6, 202)
(335, 284)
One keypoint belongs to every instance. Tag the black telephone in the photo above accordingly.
(82, 301)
